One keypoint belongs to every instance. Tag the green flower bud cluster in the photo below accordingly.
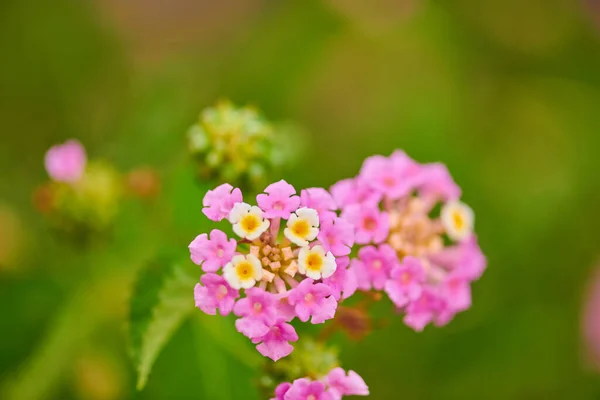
(238, 145)
(89, 205)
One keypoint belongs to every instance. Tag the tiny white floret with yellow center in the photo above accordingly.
(302, 226)
(248, 221)
(242, 272)
(315, 263)
(458, 220)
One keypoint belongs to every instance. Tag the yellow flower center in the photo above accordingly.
(249, 223)
(301, 228)
(314, 262)
(458, 220)
(244, 270)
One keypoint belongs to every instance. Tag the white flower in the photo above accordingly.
(242, 271)
(315, 264)
(248, 221)
(303, 226)
(458, 220)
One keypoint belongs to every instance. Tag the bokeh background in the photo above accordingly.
(506, 93)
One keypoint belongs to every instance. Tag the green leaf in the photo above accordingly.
(162, 299)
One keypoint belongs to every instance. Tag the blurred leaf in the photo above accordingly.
(161, 301)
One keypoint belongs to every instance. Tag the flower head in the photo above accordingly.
(66, 162)
(281, 265)
(426, 259)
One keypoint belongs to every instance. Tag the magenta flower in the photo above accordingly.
(275, 342)
(370, 224)
(313, 300)
(394, 176)
(373, 266)
(304, 389)
(258, 311)
(465, 256)
(341, 384)
(212, 253)
(280, 200)
(66, 162)
(343, 282)
(281, 390)
(424, 310)
(337, 236)
(321, 200)
(219, 202)
(406, 282)
(215, 293)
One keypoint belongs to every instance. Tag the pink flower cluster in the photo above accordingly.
(334, 386)
(66, 162)
(290, 260)
(424, 259)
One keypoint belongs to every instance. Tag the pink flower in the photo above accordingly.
(281, 390)
(341, 384)
(219, 201)
(313, 299)
(465, 256)
(373, 266)
(437, 183)
(258, 309)
(423, 310)
(319, 199)
(353, 191)
(394, 176)
(406, 281)
(370, 224)
(215, 293)
(591, 320)
(337, 236)
(456, 291)
(280, 201)
(304, 389)
(212, 253)
(343, 281)
(274, 343)
(66, 162)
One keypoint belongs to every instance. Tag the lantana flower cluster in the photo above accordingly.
(289, 260)
(414, 236)
(334, 386)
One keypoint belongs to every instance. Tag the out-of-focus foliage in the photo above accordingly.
(506, 93)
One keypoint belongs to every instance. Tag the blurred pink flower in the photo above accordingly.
(66, 162)
(312, 300)
(342, 384)
(275, 343)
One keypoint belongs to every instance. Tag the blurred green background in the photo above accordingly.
(506, 93)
